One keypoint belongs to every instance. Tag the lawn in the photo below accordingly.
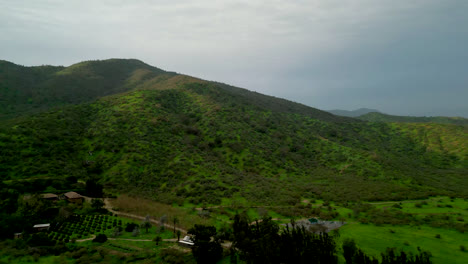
(375, 239)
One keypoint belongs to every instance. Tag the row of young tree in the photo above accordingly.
(265, 242)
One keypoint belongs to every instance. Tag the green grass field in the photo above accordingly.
(375, 239)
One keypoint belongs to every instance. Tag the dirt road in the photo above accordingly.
(108, 206)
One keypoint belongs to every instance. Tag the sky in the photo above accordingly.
(398, 56)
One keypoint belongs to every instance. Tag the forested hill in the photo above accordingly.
(177, 138)
(34, 89)
(379, 117)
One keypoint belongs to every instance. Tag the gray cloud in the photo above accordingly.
(403, 57)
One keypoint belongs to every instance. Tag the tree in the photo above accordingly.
(33, 209)
(392, 257)
(263, 242)
(157, 239)
(130, 227)
(175, 220)
(257, 243)
(136, 231)
(162, 222)
(101, 238)
(97, 204)
(206, 248)
(93, 188)
(349, 249)
(116, 232)
(146, 224)
(40, 239)
(8, 199)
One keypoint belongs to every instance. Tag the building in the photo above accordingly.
(186, 242)
(41, 227)
(50, 197)
(73, 197)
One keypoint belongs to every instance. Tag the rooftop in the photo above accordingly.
(41, 225)
(186, 240)
(72, 195)
(49, 195)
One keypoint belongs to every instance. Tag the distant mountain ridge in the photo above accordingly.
(352, 113)
(380, 117)
(373, 115)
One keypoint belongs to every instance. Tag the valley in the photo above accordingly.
(168, 145)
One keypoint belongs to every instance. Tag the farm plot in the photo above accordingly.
(83, 226)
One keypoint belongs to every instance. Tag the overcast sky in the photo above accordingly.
(405, 57)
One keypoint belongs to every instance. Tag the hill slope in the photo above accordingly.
(33, 89)
(178, 138)
(379, 117)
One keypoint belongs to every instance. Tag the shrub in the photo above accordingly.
(40, 239)
(130, 227)
(101, 238)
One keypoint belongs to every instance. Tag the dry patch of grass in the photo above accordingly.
(142, 207)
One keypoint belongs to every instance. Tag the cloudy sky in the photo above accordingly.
(401, 57)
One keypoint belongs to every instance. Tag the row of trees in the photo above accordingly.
(266, 242)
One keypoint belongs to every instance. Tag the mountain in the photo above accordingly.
(33, 89)
(353, 113)
(179, 139)
(379, 117)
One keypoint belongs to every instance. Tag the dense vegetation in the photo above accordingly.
(33, 89)
(199, 141)
(134, 129)
(80, 233)
(267, 242)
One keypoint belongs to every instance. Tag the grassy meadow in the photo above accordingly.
(374, 239)
(444, 243)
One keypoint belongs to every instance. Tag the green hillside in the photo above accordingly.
(180, 139)
(379, 117)
(33, 89)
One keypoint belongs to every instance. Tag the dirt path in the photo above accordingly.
(246, 206)
(127, 239)
(86, 239)
(108, 206)
(130, 239)
(273, 219)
